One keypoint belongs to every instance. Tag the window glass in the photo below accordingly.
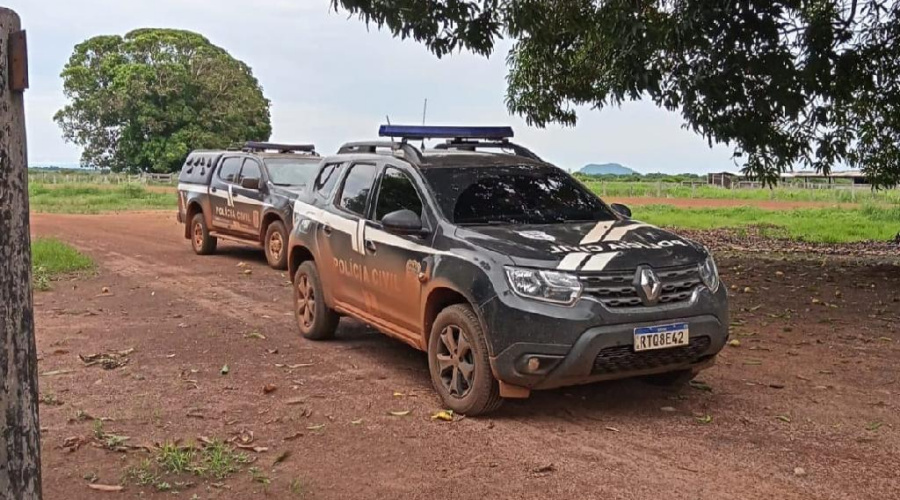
(397, 193)
(356, 187)
(519, 194)
(291, 171)
(250, 171)
(228, 172)
(327, 178)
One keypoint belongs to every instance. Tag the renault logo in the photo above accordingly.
(648, 285)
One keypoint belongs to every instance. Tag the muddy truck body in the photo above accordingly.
(244, 195)
(506, 270)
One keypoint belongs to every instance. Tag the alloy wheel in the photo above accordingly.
(306, 302)
(456, 361)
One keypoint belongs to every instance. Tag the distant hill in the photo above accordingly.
(606, 169)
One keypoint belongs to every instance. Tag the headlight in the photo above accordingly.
(549, 286)
(710, 274)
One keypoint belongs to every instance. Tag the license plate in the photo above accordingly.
(660, 337)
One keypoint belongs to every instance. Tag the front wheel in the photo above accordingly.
(276, 245)
(201, 241)
(316, 320)
(458, 362)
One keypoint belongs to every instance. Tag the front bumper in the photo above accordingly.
(607, 353)
(537, 346)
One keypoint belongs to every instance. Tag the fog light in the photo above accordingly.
(534, 364)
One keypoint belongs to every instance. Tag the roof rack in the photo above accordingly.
(400, 149)
(460, 138)
(465, 145)
(261, 147)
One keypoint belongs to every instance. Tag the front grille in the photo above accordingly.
(616, 289)
(623, 358)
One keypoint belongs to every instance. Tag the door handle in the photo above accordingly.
(370, 246)
(326, 229)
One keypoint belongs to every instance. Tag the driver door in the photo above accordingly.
(394, 262)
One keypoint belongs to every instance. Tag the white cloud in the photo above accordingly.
(331, 79)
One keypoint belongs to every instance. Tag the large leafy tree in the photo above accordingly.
(142, 102)
(785, 83)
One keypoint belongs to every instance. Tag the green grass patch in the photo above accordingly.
(91, 199)
(824, 225)
(52, 258)
(845, 194)
(214, 460)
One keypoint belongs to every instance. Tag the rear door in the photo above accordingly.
(339, 233)
(248, 202)
(394, 261)
(221, 194)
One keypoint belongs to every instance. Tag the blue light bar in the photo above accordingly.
(438, 132)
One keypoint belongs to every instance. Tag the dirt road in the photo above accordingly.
(805, 408)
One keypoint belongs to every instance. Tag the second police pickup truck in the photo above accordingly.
(245, 195)
(506, 270)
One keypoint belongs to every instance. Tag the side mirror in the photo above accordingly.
(402, 222)
(250, 183)
(621, 209)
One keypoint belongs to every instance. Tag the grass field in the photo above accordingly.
(52, 258)
(89, 199)
(826, 225)
(673, 190)
(876, 219)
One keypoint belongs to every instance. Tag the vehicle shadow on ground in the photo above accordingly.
(240, 253)
(599, 401)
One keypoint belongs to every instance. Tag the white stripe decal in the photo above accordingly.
(361, 236)
(597, 232)
(193, 188)
(351, 227)
(617, 233)
(599, 261)
(572, 261)
(386, 238)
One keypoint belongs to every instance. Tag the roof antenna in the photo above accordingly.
(388, 118)
(424, 113)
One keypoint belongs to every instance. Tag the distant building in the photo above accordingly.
(722, 179)
(855, 176)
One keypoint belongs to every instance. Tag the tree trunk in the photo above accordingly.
(20, 449)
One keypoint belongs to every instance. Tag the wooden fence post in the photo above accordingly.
(20, 448)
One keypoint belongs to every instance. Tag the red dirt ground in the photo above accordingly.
(813, 386)
(722, 203)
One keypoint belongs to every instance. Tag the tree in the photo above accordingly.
(20, 428)
(142, 102)
(785, 83)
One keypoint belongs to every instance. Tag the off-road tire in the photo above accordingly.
(201, 241)
(321, 321)
(483, 393)
(674, 379)
(275, 245)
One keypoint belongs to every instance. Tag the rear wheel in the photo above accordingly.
(276, 245)
(458, 362)
(674, 379)
(316, 320)
(201, 241)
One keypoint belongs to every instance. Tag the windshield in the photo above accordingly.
(523, 194)
(292, 171)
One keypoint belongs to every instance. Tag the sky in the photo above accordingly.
(331, 79)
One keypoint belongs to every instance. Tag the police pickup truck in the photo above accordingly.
(245, 195)
(506, 270)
